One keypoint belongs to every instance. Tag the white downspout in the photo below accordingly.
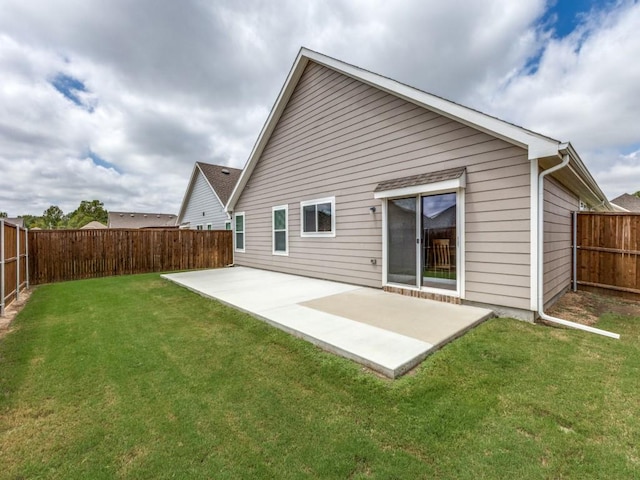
(542, 315)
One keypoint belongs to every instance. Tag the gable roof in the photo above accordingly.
(538, 146)
(93, 225)
(141, 220)
(221, 180)
(630, 203)
(17, 221)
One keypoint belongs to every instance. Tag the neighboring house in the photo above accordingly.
(93, 225)
(361, 179)
(17, 221)
(627, 203)
(141, 220)
(208, 191)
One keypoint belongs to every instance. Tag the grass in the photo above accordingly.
(133, 377)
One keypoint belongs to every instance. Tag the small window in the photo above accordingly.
(199, 227)
(318, 217)
(280, 228)
(239, 232)
(209, 226)
(227, 224)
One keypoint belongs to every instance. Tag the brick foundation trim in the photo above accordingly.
(420, 294)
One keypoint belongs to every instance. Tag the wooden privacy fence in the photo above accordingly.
(14, 272)
(59, 255)
(608, 251)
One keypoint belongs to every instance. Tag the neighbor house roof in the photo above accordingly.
(141, 220)
(17, 221)
(630, 203)
(538, 146)
(221, 180)
(93, 225)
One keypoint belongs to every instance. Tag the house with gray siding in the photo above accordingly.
(207, 193)
(361, 179)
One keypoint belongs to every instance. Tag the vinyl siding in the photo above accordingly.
(339, 137)
(558, 205)
(202, 199)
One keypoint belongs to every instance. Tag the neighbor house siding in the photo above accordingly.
(202, 199)
(558, 205)
(340, 137)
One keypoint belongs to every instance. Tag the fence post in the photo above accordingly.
(26, 251)
(17, 263)
(1, 267)
(574, 256)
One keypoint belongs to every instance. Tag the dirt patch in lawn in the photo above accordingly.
(586, 307)
(12, 310)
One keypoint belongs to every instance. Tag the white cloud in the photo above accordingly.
(172, 83)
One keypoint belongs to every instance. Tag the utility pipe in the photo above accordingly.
(541, 314)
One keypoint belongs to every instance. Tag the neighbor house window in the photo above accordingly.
(318, 217)
(280, 227)
(209, 226)
(199, 227)
(239, 233)
(227, 224)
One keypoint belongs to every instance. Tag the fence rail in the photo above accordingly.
(59, 255)
(608, 251)
(14, 263)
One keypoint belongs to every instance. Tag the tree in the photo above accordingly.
(53, 217)
(88, 211)
(637, 194)
(3, 215)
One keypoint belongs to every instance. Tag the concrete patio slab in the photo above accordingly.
(388, 333)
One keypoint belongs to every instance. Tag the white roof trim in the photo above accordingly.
(537, 146)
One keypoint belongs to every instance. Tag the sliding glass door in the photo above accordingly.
(439, 239)
(422, 238)
(401, 237)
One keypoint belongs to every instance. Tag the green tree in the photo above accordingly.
(3, 215)
(637, 194)
(88, 211)
(53, 217)
(31, 221)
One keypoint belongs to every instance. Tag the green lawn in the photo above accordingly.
(134, 377)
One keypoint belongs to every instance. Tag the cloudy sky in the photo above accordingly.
(116, 99)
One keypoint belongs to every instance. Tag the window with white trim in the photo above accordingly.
(209, 226)
(199, 227)
(318, 217)
(227, 224)
(239, 232)
(280, 227)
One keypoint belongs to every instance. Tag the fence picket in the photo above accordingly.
(60, 255)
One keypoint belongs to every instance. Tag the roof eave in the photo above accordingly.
(276, 111)
(583, 174)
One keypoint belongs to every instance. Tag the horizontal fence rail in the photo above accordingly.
(60, 255)
(608, 251)
(14, 272)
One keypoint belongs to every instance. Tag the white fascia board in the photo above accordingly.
(437, 187)
(187, 194)
(538, 146)
(618, 208)
(276, 111)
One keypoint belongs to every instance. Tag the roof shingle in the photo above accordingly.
(422, 179)
(223, 183)
(628, 202)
